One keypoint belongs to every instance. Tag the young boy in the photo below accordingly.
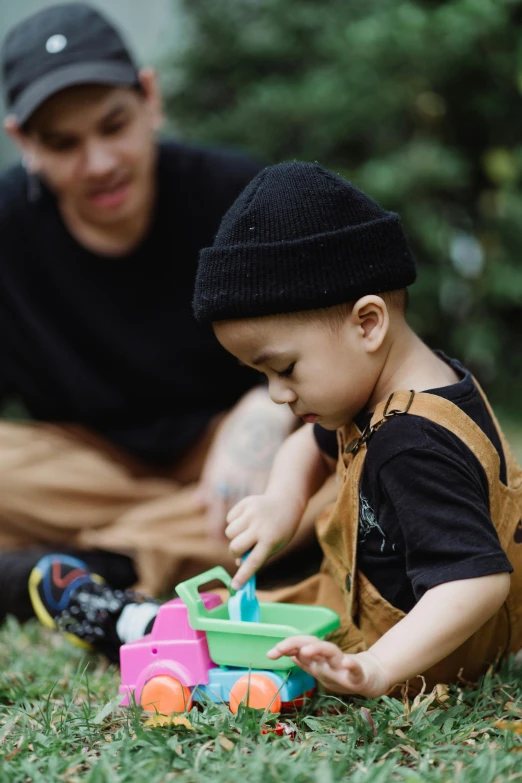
(306, 282)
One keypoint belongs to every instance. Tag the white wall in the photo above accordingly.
(148, 26)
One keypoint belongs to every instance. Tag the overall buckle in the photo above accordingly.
(355, 444)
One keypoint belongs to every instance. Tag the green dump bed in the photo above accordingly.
(246, 644)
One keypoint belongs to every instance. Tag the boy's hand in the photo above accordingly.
(361, 673)
(264, 524)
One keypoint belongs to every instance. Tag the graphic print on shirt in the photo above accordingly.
(368, 522)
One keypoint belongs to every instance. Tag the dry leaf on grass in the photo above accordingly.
(442, 692)
(367, 717)
(409, 751)
(510, 706)
(225, 743)
(169, 720)
(7, 727)
(12, 754)
(509, 725)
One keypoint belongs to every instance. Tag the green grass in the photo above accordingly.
(59, 721)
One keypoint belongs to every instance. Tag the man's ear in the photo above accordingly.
(23, 143)
(151, 90)
(371, 318)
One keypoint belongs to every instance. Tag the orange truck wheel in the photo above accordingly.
(166, 695)
(257, 691)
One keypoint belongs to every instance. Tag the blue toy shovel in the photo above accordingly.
(243, 606)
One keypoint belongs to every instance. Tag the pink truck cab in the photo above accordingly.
(182, 654)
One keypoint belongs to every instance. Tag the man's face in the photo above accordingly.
(322, 372)
(94, 146)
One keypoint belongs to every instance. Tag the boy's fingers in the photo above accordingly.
(291, 646)
(315, 657)
(243, 542)
(335, 679)
(354, 669)
(249, 567)
(239, 525)
(318, 669)
(325, 650)
(236, 510)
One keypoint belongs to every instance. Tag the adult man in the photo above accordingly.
(99, 237)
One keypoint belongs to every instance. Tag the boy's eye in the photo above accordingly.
(288, 372)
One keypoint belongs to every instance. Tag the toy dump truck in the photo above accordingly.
(196, 653)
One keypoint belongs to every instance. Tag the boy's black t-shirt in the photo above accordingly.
(424, 508)
(111, 343)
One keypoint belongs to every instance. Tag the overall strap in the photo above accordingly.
(514, 474)
(448, 415)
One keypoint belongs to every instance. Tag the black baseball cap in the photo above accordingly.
(58, 47)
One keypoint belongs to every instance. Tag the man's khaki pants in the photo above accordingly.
(64, 486)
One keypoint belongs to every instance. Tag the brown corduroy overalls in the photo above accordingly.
(365, 614)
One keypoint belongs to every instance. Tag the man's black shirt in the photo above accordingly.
(111, 343)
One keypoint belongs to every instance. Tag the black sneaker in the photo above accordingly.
(67, 596)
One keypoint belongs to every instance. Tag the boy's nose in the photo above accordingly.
(281, 394)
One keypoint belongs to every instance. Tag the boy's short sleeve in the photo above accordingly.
(443, 517)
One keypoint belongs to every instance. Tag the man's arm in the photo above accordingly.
(266, 523)
(241, 457)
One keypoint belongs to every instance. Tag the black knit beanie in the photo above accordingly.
(299, 238)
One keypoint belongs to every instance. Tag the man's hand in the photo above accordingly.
(361, 673)
(264, 524)
(240, 459)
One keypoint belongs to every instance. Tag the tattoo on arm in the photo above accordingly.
(254, 441)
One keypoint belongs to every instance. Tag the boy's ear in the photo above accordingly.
(371, 318)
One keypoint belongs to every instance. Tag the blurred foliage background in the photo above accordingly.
(417, 102)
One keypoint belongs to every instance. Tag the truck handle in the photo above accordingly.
(189, 593)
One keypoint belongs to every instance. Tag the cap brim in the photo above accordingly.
(100, 72)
